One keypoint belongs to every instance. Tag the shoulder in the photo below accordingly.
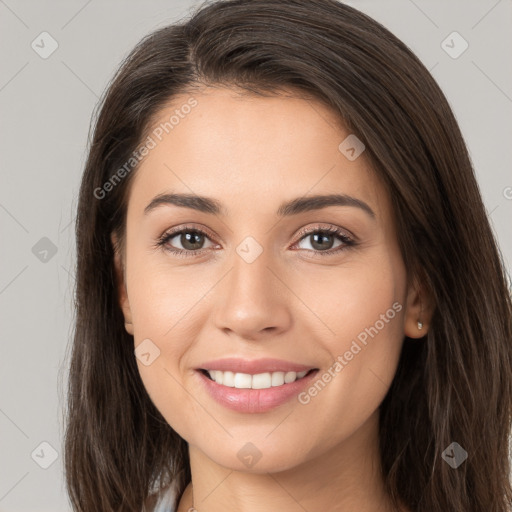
(162, 502)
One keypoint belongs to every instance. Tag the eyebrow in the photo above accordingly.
(288, 208)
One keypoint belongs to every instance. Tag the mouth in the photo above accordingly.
(265, 380)
(254, 386)
(255, 392)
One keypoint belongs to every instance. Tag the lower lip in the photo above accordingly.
(254, 400)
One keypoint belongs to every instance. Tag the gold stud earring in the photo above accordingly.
(420, 323)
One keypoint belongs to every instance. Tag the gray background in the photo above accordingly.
(46, 105)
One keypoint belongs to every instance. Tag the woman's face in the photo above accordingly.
(267, 289)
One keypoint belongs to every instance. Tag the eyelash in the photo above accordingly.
(347, 241)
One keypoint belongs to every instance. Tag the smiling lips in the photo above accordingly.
(257, 374)
(258, 381)
(254, 386)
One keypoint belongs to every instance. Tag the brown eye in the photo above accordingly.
(321, 241)
(324, 240)
(191, 240)
(186, 241)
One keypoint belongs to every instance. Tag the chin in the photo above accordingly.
(251, 459)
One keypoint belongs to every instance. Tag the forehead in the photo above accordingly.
(254, 150)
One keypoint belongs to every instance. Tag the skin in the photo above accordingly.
(251, 154)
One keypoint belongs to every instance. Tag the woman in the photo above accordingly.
(288, 292)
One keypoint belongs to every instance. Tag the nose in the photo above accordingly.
(252, 302)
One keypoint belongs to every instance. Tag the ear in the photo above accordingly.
(419, 308)
(121, 285)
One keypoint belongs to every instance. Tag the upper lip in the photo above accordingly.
(255, 366)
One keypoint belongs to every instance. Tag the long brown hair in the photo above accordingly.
(453, 386)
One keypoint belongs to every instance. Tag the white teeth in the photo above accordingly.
(277, 379)
(228, 379)
(242, 380)
(261, 381)
(289, 377)
(258, 381)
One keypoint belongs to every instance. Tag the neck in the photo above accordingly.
(345, 478)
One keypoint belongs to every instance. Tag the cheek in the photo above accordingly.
(163, 298)
(344, 301)
(167, 306)
(362, 312)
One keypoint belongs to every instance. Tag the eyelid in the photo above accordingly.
(188, 227)
(330, 228)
